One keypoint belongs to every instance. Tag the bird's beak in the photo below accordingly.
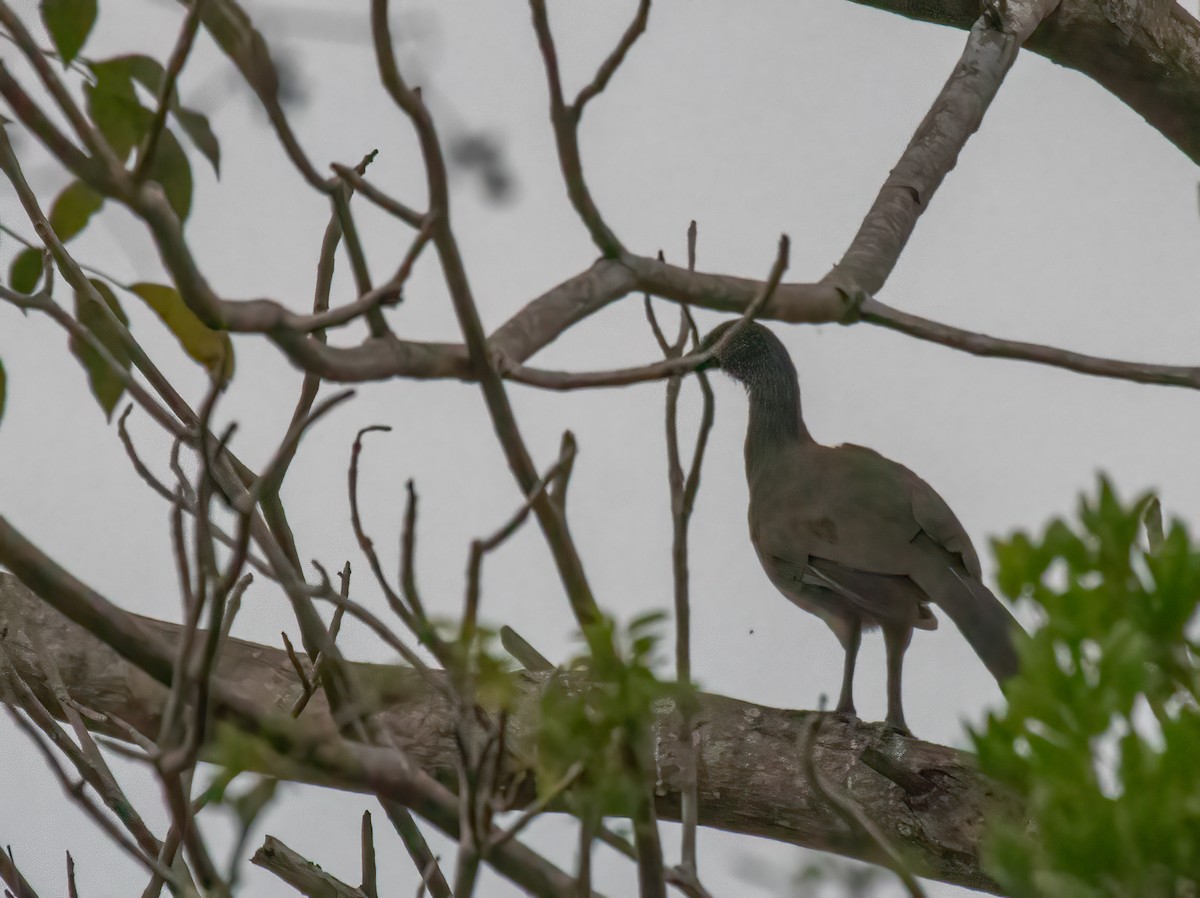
(708, 364)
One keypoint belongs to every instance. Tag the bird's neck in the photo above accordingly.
(775, 420)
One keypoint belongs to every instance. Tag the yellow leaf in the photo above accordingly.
(212, 349)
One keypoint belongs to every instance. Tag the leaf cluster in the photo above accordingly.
(121, 95)
(1101, 735)
(601, 720)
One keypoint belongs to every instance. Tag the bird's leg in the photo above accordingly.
(895, 640)
(851, 637)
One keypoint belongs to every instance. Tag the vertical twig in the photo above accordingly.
(370, 884)
(683, 491)
(166, 92)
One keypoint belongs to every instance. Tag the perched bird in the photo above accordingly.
(851, 536)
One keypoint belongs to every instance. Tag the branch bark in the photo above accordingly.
(1147, 54)
(927, 798)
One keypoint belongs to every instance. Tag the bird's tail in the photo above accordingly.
(982, 618)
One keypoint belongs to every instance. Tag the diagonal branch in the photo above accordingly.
(933, 151)
(565, 120)
(166, 93)
(1148, 55)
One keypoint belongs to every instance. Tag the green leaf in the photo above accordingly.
(3, 388)
(114, 106)
(150, 74)
(69, 23)
(106, 384)
(195, 125)
(26, 271)
(1111, 663)
(212, 349)
(73, 208)
(251, 803)
(171, 169)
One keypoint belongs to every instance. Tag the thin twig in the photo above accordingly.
(76, 792)
(682, 495)
(565, 121)
(12, 876)
(849, 812)
(378, 197)
(166, 91)
(480, 547)
(543, 801)
(301, 673)
(610, 65)
(407, 614)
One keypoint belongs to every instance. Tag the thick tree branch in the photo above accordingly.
(933, 151)
(1147, 54)
(929, 800)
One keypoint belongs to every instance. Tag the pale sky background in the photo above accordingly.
(1068, 221)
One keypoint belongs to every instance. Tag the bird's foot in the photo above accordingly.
(898, 726)
(846, 709)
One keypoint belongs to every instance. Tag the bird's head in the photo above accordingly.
(747, 354)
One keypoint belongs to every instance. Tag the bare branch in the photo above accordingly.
(301, 673)
(378, 197)
(370, 885)
(933, 151)
(12, 876)
(1147, 58)
(565, 120)
(876, 312)
(538, 807)
(481, 547)
(427, 866)
(301, 874)
(610, 65)
(234, 32)
(166, 92)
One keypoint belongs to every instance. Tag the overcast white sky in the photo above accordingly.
(1068, 221)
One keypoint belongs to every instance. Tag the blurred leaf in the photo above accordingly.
(249, 804)
(195, 125)
(212, 349)
(3, 388)
(114, 106)
(106, 385)
(1102, 728)
(171, 169)
(1154, 523)
(603, 720)
(73, 208)
(26, 271)
(69, 23)
(483, 154)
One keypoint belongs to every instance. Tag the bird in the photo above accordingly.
(849, 535)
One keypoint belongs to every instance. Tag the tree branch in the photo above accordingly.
(933, 151)
(929, 799)
(1148, 54)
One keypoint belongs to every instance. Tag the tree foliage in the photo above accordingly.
(1102, 729)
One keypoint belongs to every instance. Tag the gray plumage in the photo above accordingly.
(849, 535)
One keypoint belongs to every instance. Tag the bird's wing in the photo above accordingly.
(877, 598)
(932, 515)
